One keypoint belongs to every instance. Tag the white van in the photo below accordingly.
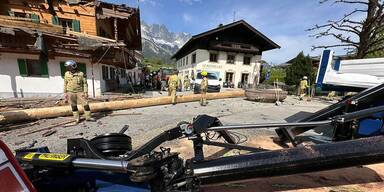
(214, 82)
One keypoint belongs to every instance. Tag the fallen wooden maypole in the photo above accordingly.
(50, 112)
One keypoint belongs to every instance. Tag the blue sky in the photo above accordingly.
(283, 21)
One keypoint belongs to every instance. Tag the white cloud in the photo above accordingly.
(151, 2)
(190, 2)
(187, 17)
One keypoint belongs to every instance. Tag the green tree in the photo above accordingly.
(301, 66)
(275, 74)
(154, 64)
(379, 53)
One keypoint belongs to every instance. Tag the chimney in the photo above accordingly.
(220, 25)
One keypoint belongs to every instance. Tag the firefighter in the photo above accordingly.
(303, 87)
(76, 90)
(173, 84)
(204, 88)
(186, 83)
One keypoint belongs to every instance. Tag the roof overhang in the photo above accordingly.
(268, 43)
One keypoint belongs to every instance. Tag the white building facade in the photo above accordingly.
(22, 75)
(231, 67)
(232, 51)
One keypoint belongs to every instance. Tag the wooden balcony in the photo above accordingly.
(234, 47)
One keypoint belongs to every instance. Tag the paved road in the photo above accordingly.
(154, 120)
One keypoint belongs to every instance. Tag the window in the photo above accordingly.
(123, 73)
(229, 77)
(194, 58)
(112, 72)
(71, 24)
(33, 67)
(231, 59)
(66, 23)
(213, 57)
(244, 78)
(247, 60)
(104, 71)
(35, 18)
(186, 62)
(102, 33)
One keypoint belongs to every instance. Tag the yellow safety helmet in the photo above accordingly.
(204, 73)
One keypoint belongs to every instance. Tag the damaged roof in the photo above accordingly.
(109, 10)
(8, 25)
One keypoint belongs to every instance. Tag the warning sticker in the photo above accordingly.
(53, 156)
(29, 156)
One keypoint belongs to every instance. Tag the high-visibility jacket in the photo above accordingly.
(204, 84)
(303, 84)
(75, 82)
(173, 82)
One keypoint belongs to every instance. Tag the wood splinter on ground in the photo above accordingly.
(48, 127)
(48, 133)
(121, 114)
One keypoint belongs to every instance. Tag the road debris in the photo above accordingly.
(48, 127)
(32, 144)
(48, 133)
(19, 143)
(18, 126)
(123, 114)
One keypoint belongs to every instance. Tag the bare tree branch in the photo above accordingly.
(369, 32)
(331, 26)
(331, 46)
(342, 38)
(352, 22)
(343, 1)
(351, 2)
(353, 12)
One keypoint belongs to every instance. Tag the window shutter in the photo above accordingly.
(76, 25)
(22, 67)
(35, 18)
(82, 67)
(55, 20)
(44, 67)
(62, 69)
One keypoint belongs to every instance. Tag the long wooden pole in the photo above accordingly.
(51, 112)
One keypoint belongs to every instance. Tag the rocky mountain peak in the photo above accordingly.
(159, 42)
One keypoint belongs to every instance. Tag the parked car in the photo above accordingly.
(214, 83)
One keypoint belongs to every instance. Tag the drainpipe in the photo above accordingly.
(93, 80)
